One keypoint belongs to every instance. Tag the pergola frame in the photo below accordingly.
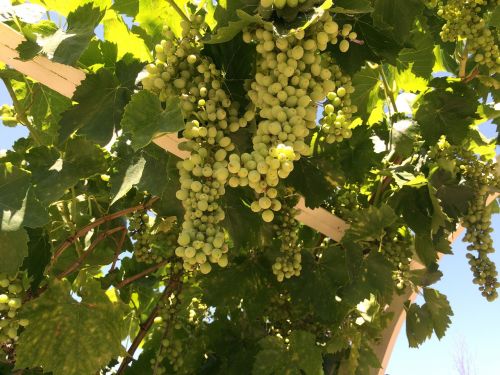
(65, 79)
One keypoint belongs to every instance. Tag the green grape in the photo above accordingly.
(338, 110)
(397, 246)
(288, 264)
(467, 19)
(480, 176)
(292, 77)
(11, 297)
(211, 118)
(140, 228)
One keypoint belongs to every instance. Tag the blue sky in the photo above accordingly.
(474, 323)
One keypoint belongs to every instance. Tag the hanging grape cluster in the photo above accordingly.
(397, 248)
(286, 227)
(11, 299)
(481, 176)
(169, 349)
(211, 117)
(468, 19)
(140, 228)
(291, 78)
(338, 109)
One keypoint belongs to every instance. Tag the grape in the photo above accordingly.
(467, 19)
(211, 118)
(288, 264)
(397, 246)
(480, 176)
(338, 110)
(11, 297)
(292, 77)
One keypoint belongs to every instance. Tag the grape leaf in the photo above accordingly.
(352, 6)
(62, 331)
(39, 253)
(99, 110)
(439, 309)
(82, 159)
(396, 17)
(128, 176)
(18, 205)
(369, 223)
(367, 85)
(13, 249)
(447, 110)
(144, 118)
(303, 354)
(420, 57)
(310, 181)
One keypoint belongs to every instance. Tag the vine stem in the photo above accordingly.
(140, 275)
(82, 232)
(144, 328)
(388, 91)
(178, 10)
(91, 248)
(21, 113)
(463, 62)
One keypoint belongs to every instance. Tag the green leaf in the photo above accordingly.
(418, 325)
(101, 101)
(420, 57)
(116, 31)
(439, 309)
(396, 17)
(367, 86)
(82, 159)
(425, 249)
(63, 331)
(129, 175)
(369, 224)
(39, 253)
(81, 25)
(447, 110)
(144, 118)
(310, 181)
(352, 6)
(13, 249)
(494, 20)
(303, 355)
(18, 205)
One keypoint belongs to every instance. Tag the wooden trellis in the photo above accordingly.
(65, 79)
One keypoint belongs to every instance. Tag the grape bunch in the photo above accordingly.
(397, 247)
(286, 227)
(211, 118)
(11, 299)
(140, 228)
(467, 19)
(170, 349)
(481, 176)
(280, 4)
(291, 78)
(338, 109)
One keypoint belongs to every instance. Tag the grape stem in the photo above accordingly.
(91, 248)
(21, 114)
(178, 10)
(144, 328)
(104, 219)
(140, 275)
(388, 91)
(463, 62)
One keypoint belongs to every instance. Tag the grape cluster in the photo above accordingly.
(467, 19)
(481, 176)
(170, 348)
(211, 117)
(291, 78)
(140, 228)
(338, 109)
(280, 4)
(397, 248)
(286, 227)
(11, 297)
